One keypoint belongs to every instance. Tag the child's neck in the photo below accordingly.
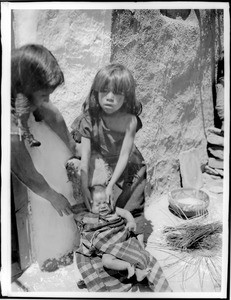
(116, 121)
(114, 115)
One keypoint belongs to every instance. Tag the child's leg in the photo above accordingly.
(111, 262)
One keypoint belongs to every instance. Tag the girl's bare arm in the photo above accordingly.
(85, 158)
(24, 169)
(125, 151)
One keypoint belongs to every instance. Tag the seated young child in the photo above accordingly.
(110, 253)
(101, 208)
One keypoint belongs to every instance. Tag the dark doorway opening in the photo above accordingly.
(15, 258)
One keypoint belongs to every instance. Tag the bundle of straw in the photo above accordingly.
(188, 237)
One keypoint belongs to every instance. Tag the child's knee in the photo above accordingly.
(106, 260)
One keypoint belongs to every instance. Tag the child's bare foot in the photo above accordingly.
(141, 274)
(131, 271)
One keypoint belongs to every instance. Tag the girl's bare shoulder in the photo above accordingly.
(50, 112)
(127, 120)
(130, 121)
(121, 122)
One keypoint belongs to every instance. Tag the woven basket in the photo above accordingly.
(188, 202)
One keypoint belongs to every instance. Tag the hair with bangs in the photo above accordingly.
(118, 79)
(33, 68)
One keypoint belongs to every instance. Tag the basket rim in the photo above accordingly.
(173, 202)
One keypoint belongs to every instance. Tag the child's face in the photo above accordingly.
(39, 97)
(100, 205)
(110, 102)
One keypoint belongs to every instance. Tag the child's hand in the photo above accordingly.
(131, 226)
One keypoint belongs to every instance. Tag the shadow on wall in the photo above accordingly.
(176, 13)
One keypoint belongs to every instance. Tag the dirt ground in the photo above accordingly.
(157, 212)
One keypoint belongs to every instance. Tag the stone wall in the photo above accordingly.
(172, 55)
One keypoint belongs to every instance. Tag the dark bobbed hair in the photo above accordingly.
(33, 68)
(118, 79)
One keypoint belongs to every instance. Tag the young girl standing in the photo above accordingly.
(108, 125)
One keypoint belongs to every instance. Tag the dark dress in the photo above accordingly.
(108, 143)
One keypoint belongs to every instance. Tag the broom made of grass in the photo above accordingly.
(193, 236)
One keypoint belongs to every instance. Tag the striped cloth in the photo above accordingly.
(99, 236)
